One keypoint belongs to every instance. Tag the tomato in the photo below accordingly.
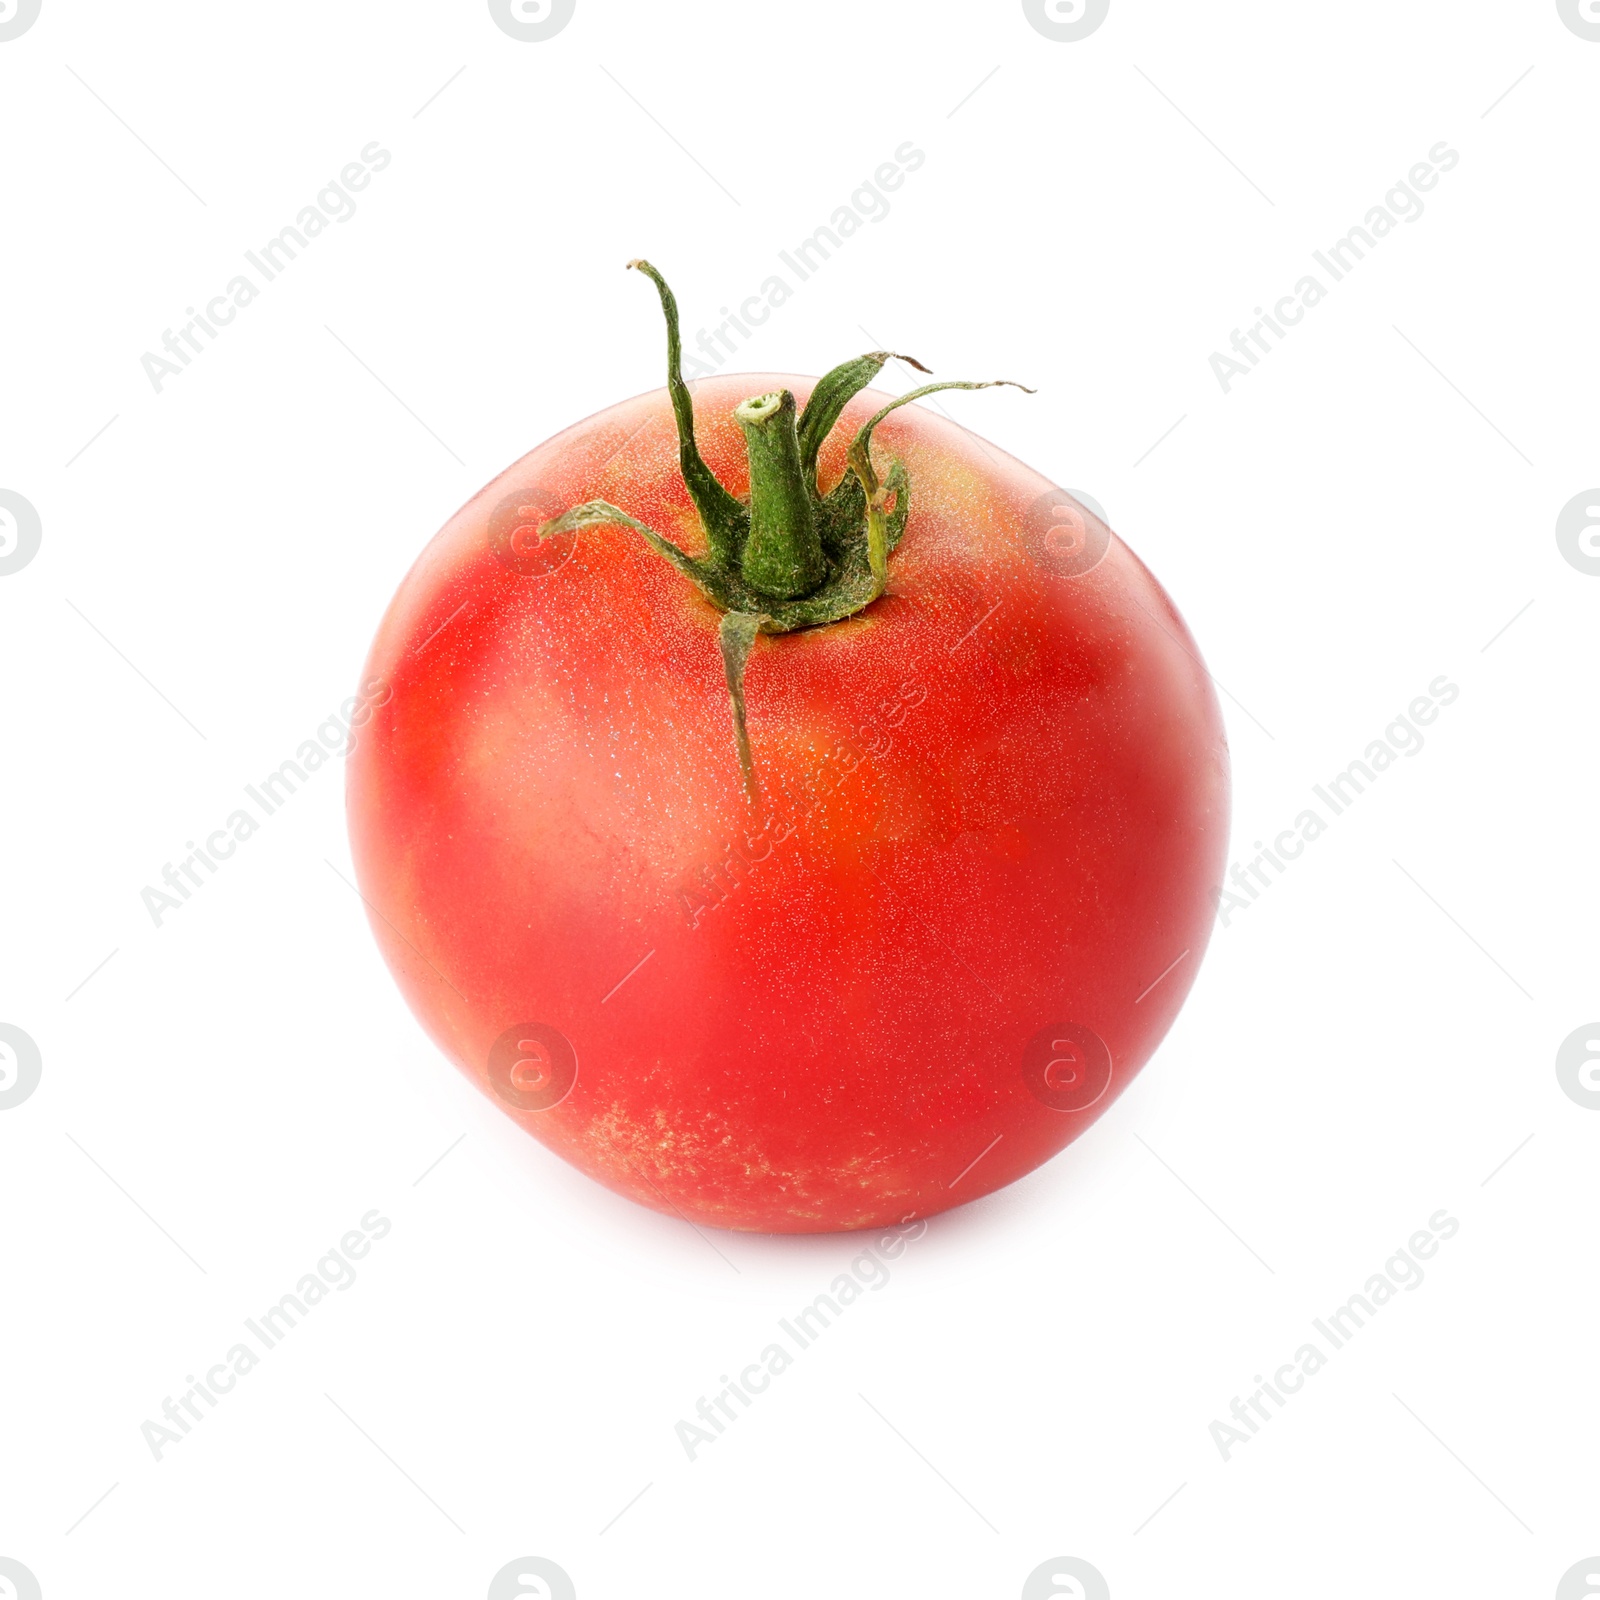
(887, 949)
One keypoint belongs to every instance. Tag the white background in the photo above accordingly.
(1373, 1040)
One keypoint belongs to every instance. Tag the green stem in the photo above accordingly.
(795, 558)
(783, 555)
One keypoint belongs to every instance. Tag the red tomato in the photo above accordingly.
(961, 909)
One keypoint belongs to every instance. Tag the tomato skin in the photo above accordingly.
(994, 810)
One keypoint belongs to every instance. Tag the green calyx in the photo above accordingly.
(791, 558)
